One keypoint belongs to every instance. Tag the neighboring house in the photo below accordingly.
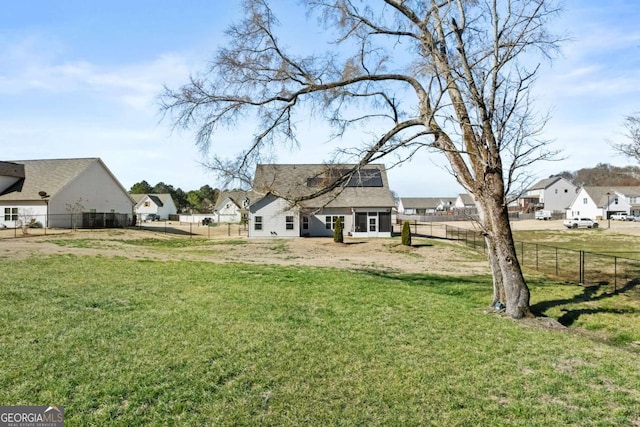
(157, 204)
(363, 203)
(464, 201)
(62, 193)
(602, 202)
(551, 194)
(425, 205)
(232, 207)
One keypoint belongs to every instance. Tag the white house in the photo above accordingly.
(158, 204)
(602, 202)
(232, 207)
(552, 194)
(295, 200)
(464, 201)
(63, 193)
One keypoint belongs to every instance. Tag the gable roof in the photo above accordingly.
(50, 176)
(367, 188)
(547, 182)
(159, 199)
(236, 196)
(467, 199)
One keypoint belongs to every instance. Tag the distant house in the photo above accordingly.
(464, 201)
(602, 202)
(62, 193)
(551, 194)
(157, 204)
(232, 207)
(425, 205)
(363, 203)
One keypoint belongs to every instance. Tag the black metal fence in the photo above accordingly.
(571, 265)
(34, 224)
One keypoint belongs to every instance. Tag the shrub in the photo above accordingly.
(337, 232)
(406, 234)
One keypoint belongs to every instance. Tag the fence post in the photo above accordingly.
(581, 267)
(615, 274)
(537, 257)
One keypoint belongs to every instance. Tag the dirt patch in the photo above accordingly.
(425, 256)
(230, 244)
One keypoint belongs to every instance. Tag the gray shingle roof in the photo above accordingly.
(599, 194)
(11, 169)
(50, 175)
(159, 199)
(292, 181)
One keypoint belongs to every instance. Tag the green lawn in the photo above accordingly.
(138, 343)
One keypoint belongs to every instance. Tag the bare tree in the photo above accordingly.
(449, 76)
(631, 148)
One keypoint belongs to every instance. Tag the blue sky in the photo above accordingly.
(81, 79)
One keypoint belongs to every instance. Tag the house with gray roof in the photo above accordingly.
(464, 201)
(602, 202)
(232, 206)
(294, 200)
(553, 194)
(62, 193)
(161, 204)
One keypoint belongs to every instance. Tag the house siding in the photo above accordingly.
(27, 211)
(229, 211)
(580, 209)
(273, 212)
(82, 190)
(558, 195)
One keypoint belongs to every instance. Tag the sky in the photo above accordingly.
(81, 79)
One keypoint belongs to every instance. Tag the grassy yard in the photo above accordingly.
(137, 342)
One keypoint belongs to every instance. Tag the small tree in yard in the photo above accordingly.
(406, 234)
(447, 76)
(337, 231)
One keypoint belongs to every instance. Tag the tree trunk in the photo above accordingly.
(498, 285)
(516, 291)
(509, 285)
(499, 295)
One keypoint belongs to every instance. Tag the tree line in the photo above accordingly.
(202, 200)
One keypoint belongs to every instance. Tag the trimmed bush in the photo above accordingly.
(337, 232)
(406, 234)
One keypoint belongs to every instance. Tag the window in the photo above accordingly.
(257, 224)
(147, 204)
(615, 201)
(289, 222)
(556, 191)
(305, 222)
(10, 214)
(330, 221)
(361, 222)
(585, 201)
(384, 219)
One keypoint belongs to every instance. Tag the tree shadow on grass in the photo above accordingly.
(589, 294)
